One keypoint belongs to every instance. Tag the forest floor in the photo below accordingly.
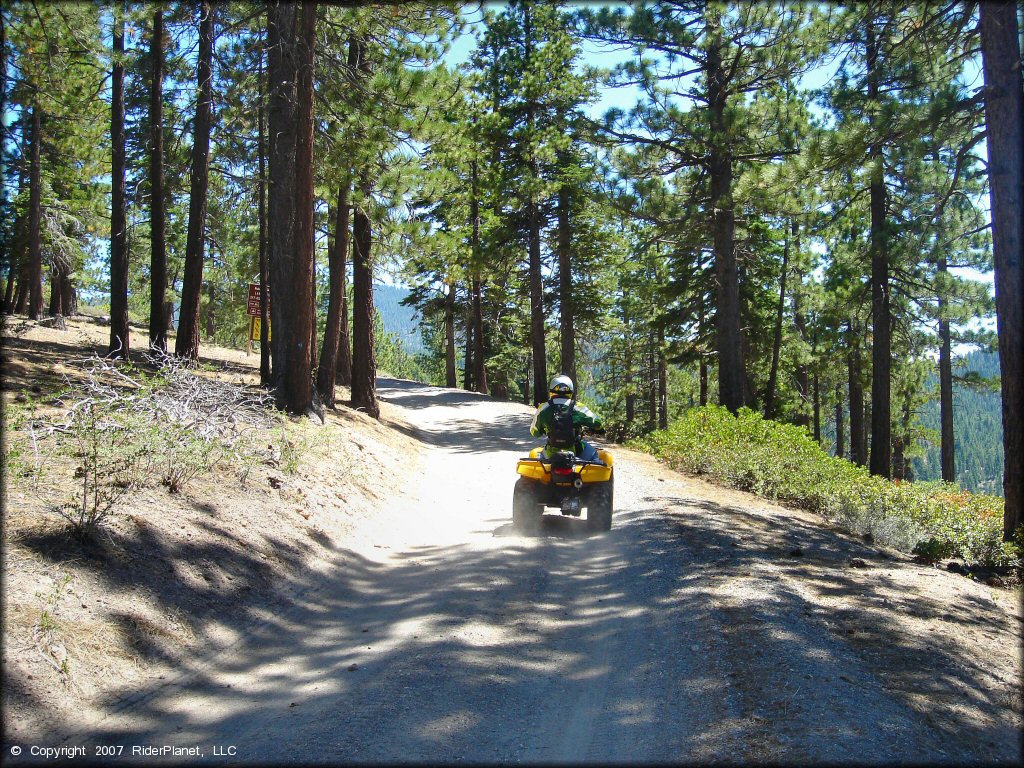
(375, 604)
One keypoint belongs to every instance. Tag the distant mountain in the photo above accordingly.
(977, 431)
(399, 320)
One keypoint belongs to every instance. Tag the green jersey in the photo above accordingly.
(581, 417)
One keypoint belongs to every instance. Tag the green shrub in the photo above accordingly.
(120, 427)
(182, 453)
(112, 458)
(783, 462)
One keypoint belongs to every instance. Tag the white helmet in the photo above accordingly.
(561, 389)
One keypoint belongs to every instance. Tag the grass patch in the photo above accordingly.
(933, 520)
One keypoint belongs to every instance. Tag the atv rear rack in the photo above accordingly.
(575, 462)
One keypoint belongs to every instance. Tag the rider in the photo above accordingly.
(553, 412)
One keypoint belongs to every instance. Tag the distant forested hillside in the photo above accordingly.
(978, 427)
(399, 320)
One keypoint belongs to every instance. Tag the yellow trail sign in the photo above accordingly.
(254, 329)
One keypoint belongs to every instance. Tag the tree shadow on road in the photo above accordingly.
(846, 602)
(674, 633)
(451, 645)
(415, 396)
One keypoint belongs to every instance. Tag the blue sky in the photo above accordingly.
(595, 55)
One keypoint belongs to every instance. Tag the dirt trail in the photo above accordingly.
(706, 626)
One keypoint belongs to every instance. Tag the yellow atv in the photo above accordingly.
(565, 481)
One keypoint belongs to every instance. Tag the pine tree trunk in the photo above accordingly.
(858, 439)
(19, 257)
(301, 342)
(327, 371)
(158, 244)
(69, 297)
(565, 299)
(211, 327)
(467, 367)
(450, 378)
(627, 362)
(630, 395)
(119, 334)
(344, 364)
(901, 469)
(652, 388)
(1004, 121)
(314, 344)
(364, 362)
(702, 370)
(731, 369)
(21, 300)
(840, 447)
(539, 350)
(261, 152)
(773, 375)
(908, 468)
(12, 279)
(3, 100)
(35, 242)
(54, 307)
(526, 381)
(21, 297)
(60, 283)
(898, 461)
(662, 381)
(881, 319)
(539, 347)
(6, 252)
(8, 294)
(803, 387)
(479, 361)
(947, 459)
(282, 69)
(187, 342)
(817, 409)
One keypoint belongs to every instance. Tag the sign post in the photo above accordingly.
(252, 309)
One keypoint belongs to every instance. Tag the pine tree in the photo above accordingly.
(758, 48)
(158, 236)
(525, 62)
(291, 42)
(364, 363)
(336, 356)
(1004, 118)
(119, 334)
(35, 248)
(54, 60)
(187, 341)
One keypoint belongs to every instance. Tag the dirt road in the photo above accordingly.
(706, 626)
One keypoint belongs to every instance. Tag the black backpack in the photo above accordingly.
(562, 433)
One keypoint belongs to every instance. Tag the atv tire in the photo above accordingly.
(599, 508)
(526, 506)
